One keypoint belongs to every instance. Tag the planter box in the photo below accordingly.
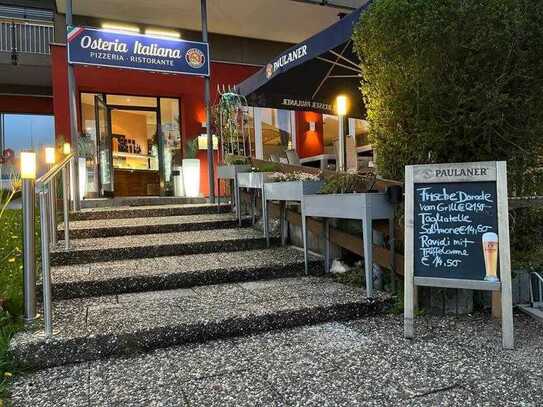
(253, 179)
(348, 206)
(286, 191)
(365, 207)
(290, 190)
(230, 171)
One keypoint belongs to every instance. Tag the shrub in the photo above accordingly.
(453, 81)
(348, 183)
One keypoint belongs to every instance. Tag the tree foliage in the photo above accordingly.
(453, 81)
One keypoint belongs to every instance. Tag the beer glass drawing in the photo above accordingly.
(490, 252)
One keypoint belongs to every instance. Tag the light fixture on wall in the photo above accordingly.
(158, 32)
(121, 27)
(311, 126)
(66, 148)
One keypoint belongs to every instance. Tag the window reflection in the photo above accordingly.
(170, 126)
(20, 132)
(276, 132)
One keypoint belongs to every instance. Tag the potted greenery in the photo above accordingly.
(191, 169)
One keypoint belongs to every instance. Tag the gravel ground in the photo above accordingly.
(452, 361)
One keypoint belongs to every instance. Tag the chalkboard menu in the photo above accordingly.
(451, 220)
(457, 234)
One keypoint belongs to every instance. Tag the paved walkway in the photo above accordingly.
(363, 362)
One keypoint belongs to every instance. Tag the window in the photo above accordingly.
(20, 132)
(88, 125)
(276, 131)
(171, 133)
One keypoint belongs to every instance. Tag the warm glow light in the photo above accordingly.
(49, 155)
(311, 126)
(155, 32)
(202, 142)
(66, 149)
(120, 27)
(28, 165)
(342, 105)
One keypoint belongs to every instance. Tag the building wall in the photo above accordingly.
(189, 89)
(309, 143)
(26, 104)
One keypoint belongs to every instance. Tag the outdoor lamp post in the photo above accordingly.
(341, 109)
(28, 175)
(50, 158)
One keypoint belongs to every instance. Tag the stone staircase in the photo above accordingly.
(147, 277)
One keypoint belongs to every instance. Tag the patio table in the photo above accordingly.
(364, 207)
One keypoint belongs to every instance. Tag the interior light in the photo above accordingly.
(66, 149)
(342, 105)
(156, 32)
(121, 27)
(28, 165)
(311, 126)
(202, 142)
(49, 155)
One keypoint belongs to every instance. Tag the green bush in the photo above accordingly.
(453, 81)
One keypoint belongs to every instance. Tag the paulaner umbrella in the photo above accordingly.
(309, 75)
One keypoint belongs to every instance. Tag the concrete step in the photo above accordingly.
(157, 245)
(101, 327)
(84, 229)
(127, 212)
(165, 273)
(138, 201)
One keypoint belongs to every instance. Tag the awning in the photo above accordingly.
(309, 75)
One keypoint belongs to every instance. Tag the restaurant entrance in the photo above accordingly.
(136, 142)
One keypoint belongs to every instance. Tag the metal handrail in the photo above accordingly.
(49, 175)
(46, 189)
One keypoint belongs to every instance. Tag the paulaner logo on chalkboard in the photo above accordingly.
(460, 172)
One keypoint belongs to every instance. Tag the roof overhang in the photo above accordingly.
(275, 20)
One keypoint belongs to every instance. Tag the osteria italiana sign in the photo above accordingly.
(457, 233)
(92, 46)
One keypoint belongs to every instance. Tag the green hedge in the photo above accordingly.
(451, 81)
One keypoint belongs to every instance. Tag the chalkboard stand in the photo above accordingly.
(494, 172)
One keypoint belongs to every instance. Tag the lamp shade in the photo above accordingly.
(28, 165)
(49, 155)
(67, 149)
(342, 105)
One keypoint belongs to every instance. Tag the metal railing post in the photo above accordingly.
(66, 203)
(53, 211)
(45, 268)
(29, 260)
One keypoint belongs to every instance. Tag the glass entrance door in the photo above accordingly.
(103, 137)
